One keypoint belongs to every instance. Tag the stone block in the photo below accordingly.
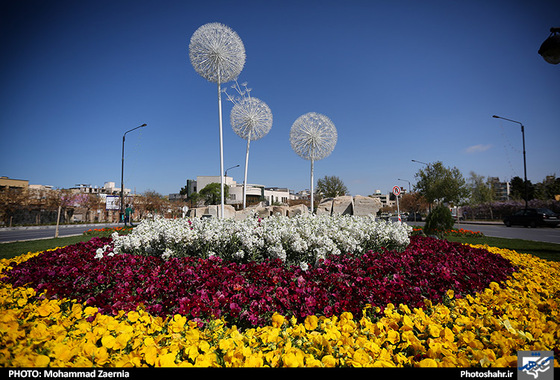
(325, 207)
(300, 209)
(366, 205)
(280, 210)
(342, 205)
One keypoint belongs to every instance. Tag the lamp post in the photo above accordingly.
(122, 166)
(524, 156)
(420, 162)
(406, 180)
(236, 166)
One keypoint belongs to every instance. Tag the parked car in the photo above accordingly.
(533, 217)
(414, 217)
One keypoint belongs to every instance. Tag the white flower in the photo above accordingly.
(167, 254)
(312, 237)
(99, 253)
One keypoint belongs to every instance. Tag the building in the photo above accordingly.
(389, 199)
(255, 193)
(501, 189)
(13, 184)
(108, 188)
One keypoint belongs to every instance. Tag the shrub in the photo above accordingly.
(438, 221)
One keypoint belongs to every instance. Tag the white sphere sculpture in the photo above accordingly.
(313, 137)
(251, 119)
(218, 55)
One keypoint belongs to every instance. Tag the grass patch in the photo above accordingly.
(10, 250)
(544, 250)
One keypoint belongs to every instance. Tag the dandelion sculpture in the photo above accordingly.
(251, 119)
(218, 55)
(313, 137)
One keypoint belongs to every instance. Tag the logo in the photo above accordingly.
(533, 365)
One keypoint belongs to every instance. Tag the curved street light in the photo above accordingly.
(122, 165)
(233, 167)
(524, 156)
(406, 180)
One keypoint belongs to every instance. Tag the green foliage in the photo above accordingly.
(436, 182)
(331, 187)
(212, 193)
(438, 221)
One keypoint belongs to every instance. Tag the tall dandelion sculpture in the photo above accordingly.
(313, 137)
(218, 55)
(251, 119)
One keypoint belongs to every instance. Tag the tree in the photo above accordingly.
(331, 187)
(549, 188)
(481, 190)
(152, 202)
(212, 193)
(439, 221)
(413, 202)
(438, 183)
(517, 189)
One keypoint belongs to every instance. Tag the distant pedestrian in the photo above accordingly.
(128, 215)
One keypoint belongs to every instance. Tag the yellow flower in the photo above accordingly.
(427, 363)
(167, 360)
(294, 358)
(178, 323)
(41, 361)
(121, 341)
(393, 337)
(311, 322)
(108, 341)
(277, 320)
(329, 361)
(434, 330)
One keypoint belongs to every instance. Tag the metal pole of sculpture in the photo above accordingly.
(313, 137)
(218, 55)
(251, 119)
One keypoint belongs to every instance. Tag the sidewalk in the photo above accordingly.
(53, 226)
(489, 222)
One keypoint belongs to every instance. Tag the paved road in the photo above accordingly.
(8, 234)
(547, 234)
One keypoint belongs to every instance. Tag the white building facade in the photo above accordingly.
(255, 193)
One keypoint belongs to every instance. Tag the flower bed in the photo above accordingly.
(445, 304)
(248, 294)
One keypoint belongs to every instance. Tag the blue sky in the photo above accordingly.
(401, 81)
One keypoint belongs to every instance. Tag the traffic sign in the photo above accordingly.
(397, 190)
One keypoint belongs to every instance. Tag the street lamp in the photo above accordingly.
(420, 162)
(406, 180)
(550, 48)
(122, 167)
(524, 159)
(236, 166)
